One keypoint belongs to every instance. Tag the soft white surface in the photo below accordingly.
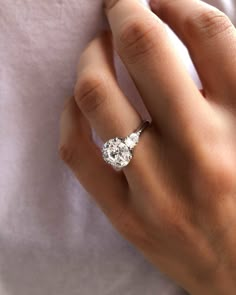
(53, 238)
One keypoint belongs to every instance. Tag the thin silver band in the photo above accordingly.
(142, 127)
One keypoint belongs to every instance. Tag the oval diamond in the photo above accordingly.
(116, 153)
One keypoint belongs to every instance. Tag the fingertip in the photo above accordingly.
(98, 49)
(104, 36)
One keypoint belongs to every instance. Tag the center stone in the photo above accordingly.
(117, 153)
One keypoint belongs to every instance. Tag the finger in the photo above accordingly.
(108, 187)
(210, 38)
(98, 94)
(165, 85)
(108, 110)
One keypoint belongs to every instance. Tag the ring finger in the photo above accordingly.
(103, 103)
(98, 95)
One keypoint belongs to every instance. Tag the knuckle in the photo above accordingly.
(67, 154)
(178, 229)
(209, 268)
(175, 221)
(131, 227)
(221, 173)
(90, 92)
(209, 23)
(215, 172)
(213, 159)
(136, 39)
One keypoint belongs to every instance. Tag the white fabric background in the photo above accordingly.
(53, 238)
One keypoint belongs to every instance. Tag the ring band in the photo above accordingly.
(118, 152)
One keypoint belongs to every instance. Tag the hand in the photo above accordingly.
(176, 200)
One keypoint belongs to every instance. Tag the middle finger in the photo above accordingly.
(167, 89)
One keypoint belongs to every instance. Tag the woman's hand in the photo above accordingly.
(176, 200)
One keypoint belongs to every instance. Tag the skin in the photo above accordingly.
(176, 200)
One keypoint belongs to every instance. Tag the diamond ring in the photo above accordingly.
(118, 151)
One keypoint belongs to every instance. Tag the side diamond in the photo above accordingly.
(132, 140)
